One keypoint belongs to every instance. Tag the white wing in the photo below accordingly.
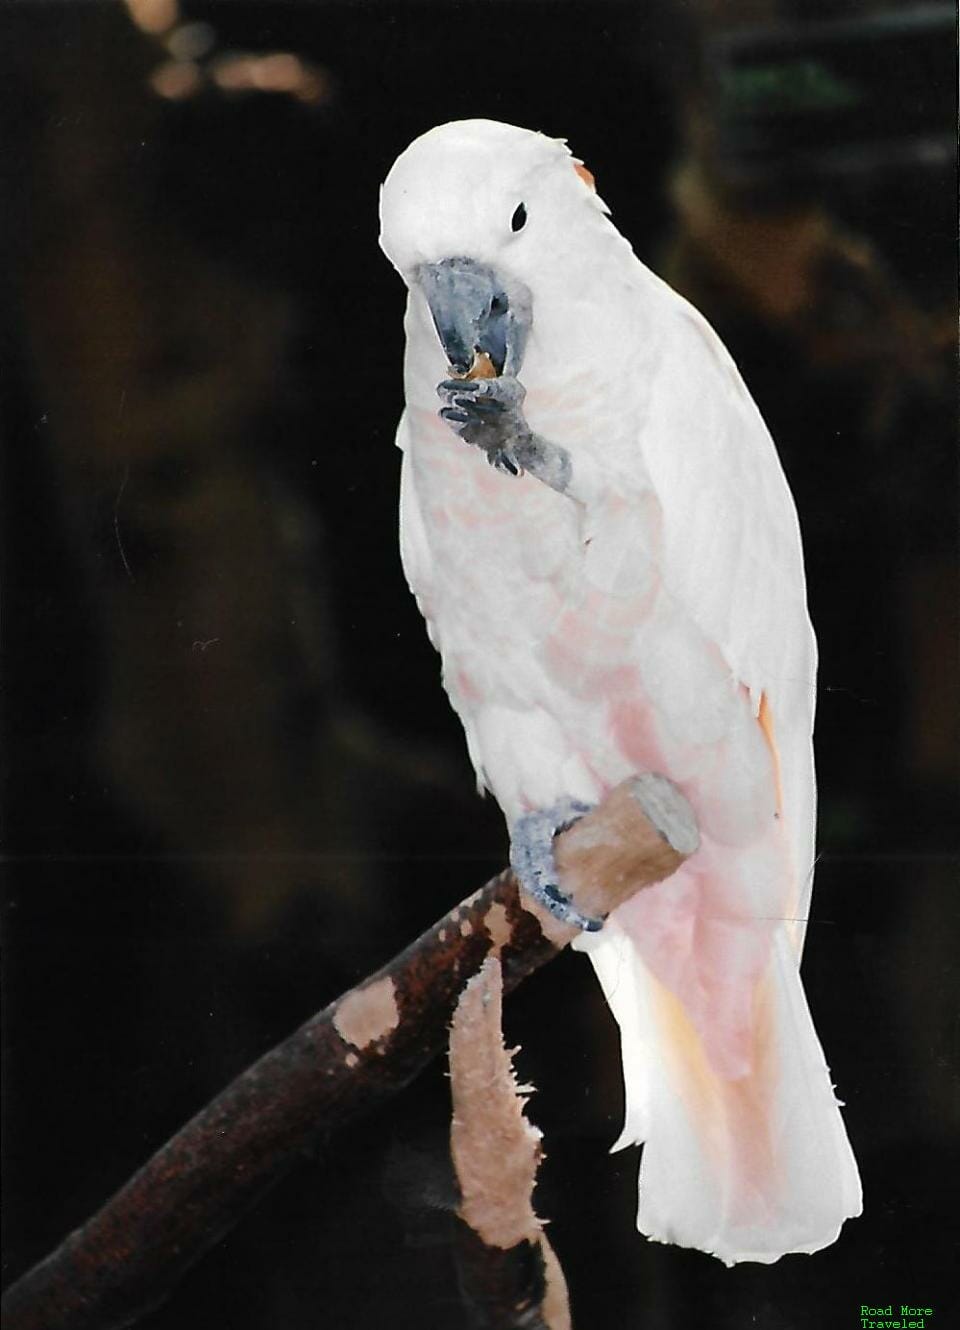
(746, 1166)
(731, 551)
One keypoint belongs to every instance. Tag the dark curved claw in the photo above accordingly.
(531, 858)
(504, 461)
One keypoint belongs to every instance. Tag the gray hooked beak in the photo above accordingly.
(475, 310)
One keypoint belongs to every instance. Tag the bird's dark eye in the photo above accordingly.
(519, 219)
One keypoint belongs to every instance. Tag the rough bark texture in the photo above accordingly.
(126, 1258)
(509, 1276)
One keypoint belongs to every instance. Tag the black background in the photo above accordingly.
(232, 782)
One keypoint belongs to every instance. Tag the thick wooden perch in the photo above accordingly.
(350, 1057)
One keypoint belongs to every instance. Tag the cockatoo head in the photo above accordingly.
(477, 215)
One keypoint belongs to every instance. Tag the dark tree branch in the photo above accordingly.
(349, 1058)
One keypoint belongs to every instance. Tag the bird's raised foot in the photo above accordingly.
(532, 861)
(488, 413)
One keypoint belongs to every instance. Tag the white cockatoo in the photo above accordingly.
(599, 534)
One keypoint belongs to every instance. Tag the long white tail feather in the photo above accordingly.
(747, 1169)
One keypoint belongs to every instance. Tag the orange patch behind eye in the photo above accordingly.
(585, 175)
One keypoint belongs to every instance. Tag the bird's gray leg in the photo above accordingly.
(532, 861)
(488, 413)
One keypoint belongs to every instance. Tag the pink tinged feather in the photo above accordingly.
(745, 1153)
(634, 729)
